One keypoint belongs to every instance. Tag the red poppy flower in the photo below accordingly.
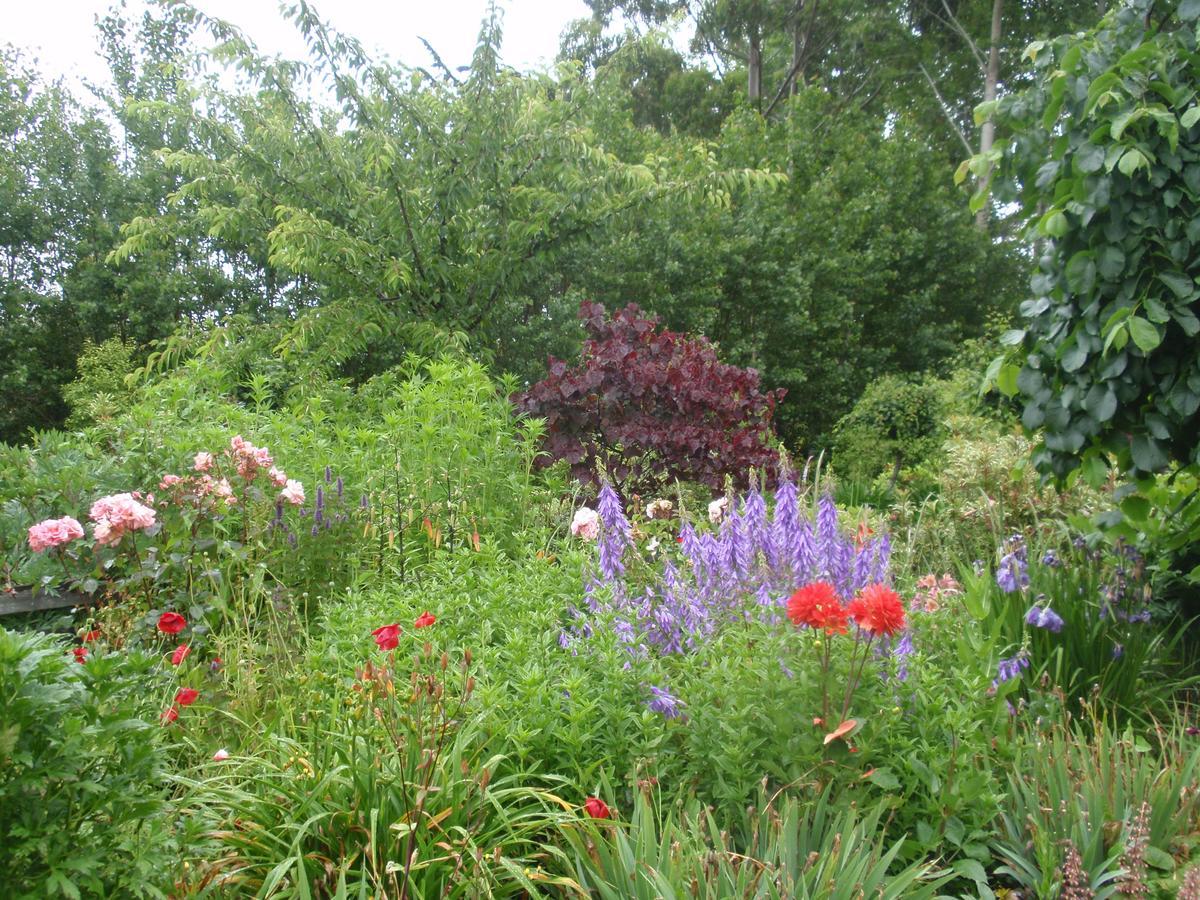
(186, 696)
(387, 636)
(169, 715)
(81, 654)
(878, 610)
(597, 808)
(93, 635)
(817, 605)
(425, 620)
(180, 654)
(171, 623)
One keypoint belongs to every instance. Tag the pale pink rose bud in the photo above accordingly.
(220, 755)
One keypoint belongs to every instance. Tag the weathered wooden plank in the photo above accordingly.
(25, 601)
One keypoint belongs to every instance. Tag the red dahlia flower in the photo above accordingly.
(597, 808)
(180, 654)
(81, 654)
(387, 636)
(425, 620)
(93, 635)
(817, 605)
(878, 610)
(169, 715)
(186, 696)
(171, 623)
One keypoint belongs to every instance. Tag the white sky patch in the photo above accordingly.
(62, 36)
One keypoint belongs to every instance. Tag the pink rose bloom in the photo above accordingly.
(117, 514)
(168, 482)
(54, 533)
(237, 443)
(293, 492)
(203, 462)
(224, 490)
(277, 476)
(586, 524)
(104, 534)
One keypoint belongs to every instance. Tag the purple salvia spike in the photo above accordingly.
(804, 559)
(785, 528)
(614, 534)
(881, 557)
(861, 570)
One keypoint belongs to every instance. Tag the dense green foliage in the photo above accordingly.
(82, 811)
(1105, 150)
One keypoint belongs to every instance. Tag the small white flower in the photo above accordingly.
(221, 755)
(716, 510)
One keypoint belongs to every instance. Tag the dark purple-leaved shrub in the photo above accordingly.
(650, 404)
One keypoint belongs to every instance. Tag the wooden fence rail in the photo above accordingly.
(24, 600)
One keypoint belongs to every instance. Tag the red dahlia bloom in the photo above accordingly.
(597, 808)
(169, 715)
(180, 654)
(171, 623)
(92, 635)
(817, 605)
(425, 620)
(186, 696)
(878, 610)
(81, 654)
(387, 636)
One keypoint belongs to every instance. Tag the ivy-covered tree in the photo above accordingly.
(1103, 156)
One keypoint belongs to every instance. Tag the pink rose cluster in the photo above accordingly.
(51, 533)
(249, 461)
(119, 514)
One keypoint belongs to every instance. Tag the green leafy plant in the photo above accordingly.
(1083, 781)
(797, 846)
(83, 795)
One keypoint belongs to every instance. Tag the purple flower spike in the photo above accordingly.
(614, 535)
(665, 703)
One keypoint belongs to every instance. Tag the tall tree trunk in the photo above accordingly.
(754, 79)
(987, 135)
(798, 42)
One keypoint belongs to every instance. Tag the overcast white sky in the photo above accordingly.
(61, 33)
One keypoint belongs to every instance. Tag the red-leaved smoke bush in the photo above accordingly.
(647, 390)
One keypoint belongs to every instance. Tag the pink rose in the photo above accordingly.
(168, 482)
(54, 533)
(277, 476)
(586, 524)
(203, 462)
(224, 490)
(117, 514)
(293, 492)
